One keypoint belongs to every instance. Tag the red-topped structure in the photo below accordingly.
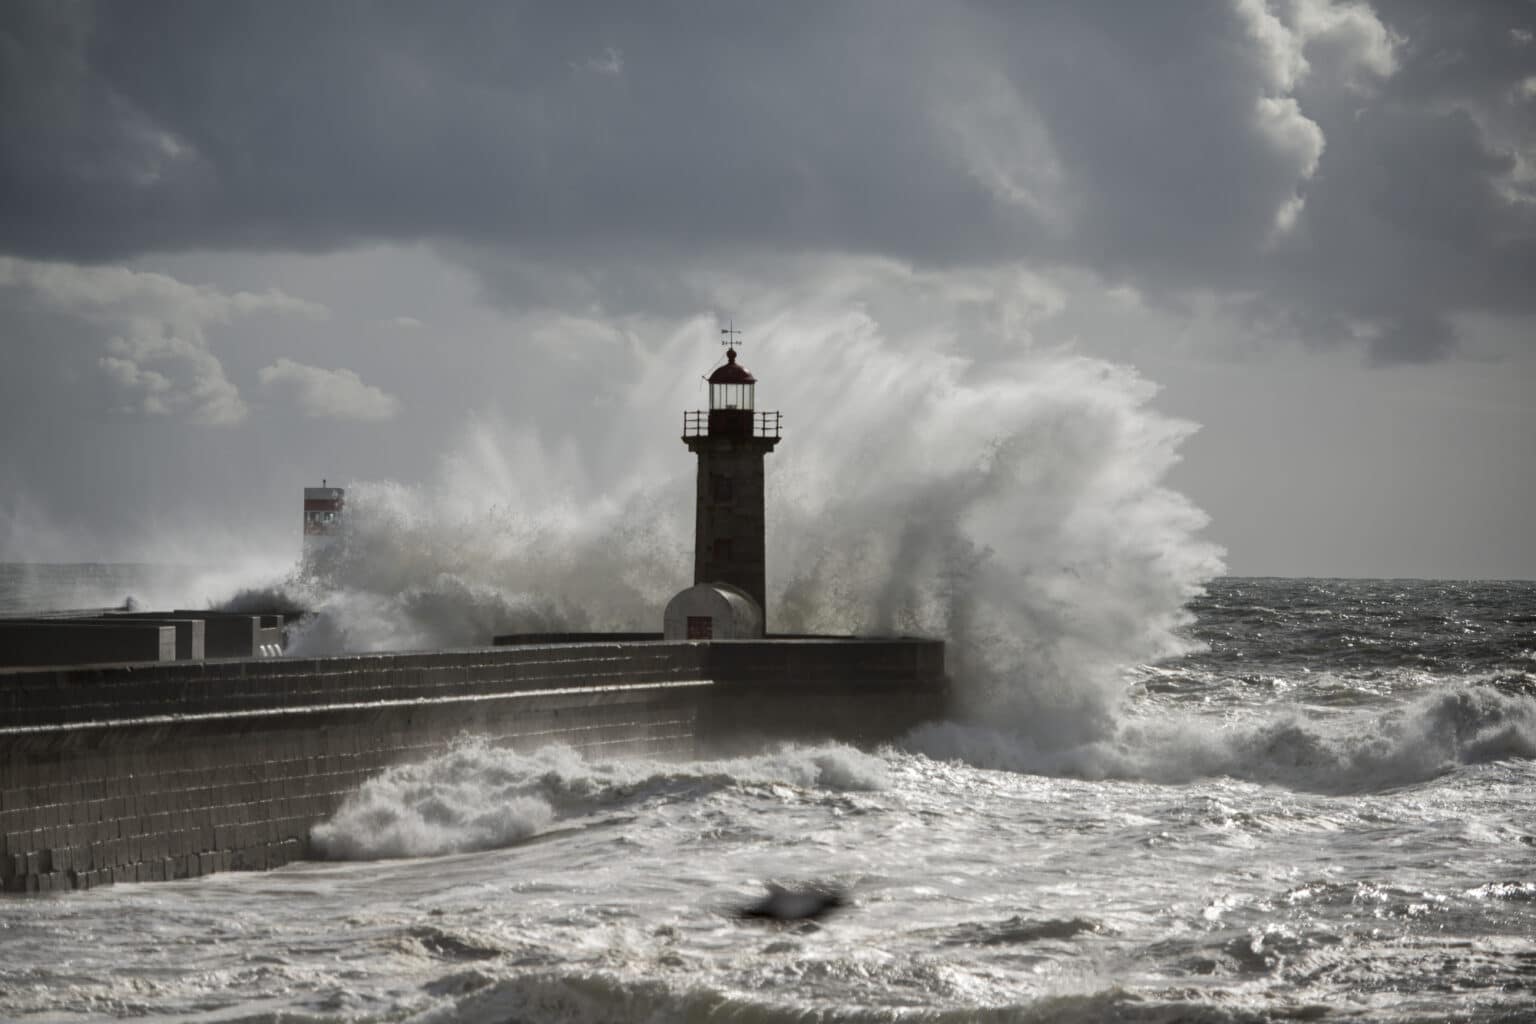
(324, 507)
(730, 441)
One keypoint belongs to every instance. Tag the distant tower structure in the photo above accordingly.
(323, 507)
(730, 441)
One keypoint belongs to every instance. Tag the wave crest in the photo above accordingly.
(1357, 751)
(478, 796)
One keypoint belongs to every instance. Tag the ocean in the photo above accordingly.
(1319, 807)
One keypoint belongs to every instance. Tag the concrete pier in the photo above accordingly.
(161, 771)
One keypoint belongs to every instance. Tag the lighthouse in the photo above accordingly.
(730, 439)
(323, 510)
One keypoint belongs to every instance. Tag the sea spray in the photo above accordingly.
(1021, 517)
(1017, 511)
(434, 566)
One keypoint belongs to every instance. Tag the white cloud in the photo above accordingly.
(1351, 44)
(117, 292)
(338, 394)
(1280, 49)
(404, 323)
(188, 380)
(1286, 217)
(1006, 144)
(609, 63)
(157, 355)
(1297, 139)
(131, 377)
(1354, 38)
(1353, 29)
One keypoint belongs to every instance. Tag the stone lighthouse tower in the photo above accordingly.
(730, 441)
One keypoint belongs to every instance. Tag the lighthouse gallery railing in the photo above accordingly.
(764, 424)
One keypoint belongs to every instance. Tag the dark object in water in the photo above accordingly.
(798, 903)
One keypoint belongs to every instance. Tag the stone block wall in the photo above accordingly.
(853, 690)
(89, 694)
(150, 800)
(151, 772)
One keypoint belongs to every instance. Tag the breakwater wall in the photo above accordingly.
(171, 770)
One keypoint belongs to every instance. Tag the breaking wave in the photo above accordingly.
(1354, 752)
(479, 797)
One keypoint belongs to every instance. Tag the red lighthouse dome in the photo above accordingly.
(732, 372)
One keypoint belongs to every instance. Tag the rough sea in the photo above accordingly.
(1321, 810)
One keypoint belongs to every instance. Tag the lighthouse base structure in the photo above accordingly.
(712, 611)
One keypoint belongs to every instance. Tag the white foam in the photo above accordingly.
(478, 796)
(1353, 751)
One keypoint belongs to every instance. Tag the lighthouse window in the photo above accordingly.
(721, 487)
(730, 396)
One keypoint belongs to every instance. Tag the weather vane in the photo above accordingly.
(728, 335)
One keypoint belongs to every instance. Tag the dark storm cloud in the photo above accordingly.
(1421, 207)
(1355, 172)
(316, 125)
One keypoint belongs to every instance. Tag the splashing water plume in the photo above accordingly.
(1022, 518)
(1018, 513)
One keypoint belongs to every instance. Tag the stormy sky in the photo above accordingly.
(247, 245)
